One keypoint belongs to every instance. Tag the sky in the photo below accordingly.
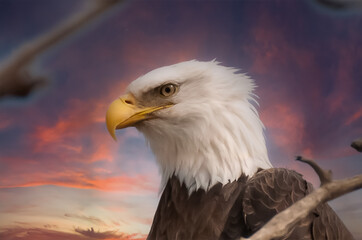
(61, 174)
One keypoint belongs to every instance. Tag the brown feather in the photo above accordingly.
(202, 215)
(240, 208)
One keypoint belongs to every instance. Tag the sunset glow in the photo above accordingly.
(63, 177)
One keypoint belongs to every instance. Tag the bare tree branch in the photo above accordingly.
(15, 79)
(324, 176)
(283, 222)
(357, 144)
(341, 4)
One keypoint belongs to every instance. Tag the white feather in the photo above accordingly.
(213, 132)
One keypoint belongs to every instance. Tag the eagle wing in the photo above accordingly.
(271, 191)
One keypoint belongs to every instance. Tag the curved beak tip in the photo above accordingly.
(111, 129)
(113, 117)
(113, 134)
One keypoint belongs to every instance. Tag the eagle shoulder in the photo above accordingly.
(270, 191)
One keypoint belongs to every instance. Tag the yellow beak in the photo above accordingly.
(123, 112)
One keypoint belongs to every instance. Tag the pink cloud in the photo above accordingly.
(73, 121)
(124, 183)
(58, 148)
(356, 116)
(285, 125)
(272, 51)
(4, 123)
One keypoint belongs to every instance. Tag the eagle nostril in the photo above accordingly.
(128, 101)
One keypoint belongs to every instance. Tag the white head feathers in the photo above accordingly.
(212, 133)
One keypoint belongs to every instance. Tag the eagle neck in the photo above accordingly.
(202, 152)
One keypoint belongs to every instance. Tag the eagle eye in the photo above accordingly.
(168, 90)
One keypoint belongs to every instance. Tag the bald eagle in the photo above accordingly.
(218, 183)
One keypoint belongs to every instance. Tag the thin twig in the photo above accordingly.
(324, 176)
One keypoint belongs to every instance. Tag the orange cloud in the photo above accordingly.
(122, 183)
(65, 139)
(74, 120)
(61, 155)
(103, 152)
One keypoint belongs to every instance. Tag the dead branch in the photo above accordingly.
(341, 4)
(15, 79)
(283, 222)
(324, 176)
(357, 144)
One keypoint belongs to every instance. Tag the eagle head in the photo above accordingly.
(199, 120)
